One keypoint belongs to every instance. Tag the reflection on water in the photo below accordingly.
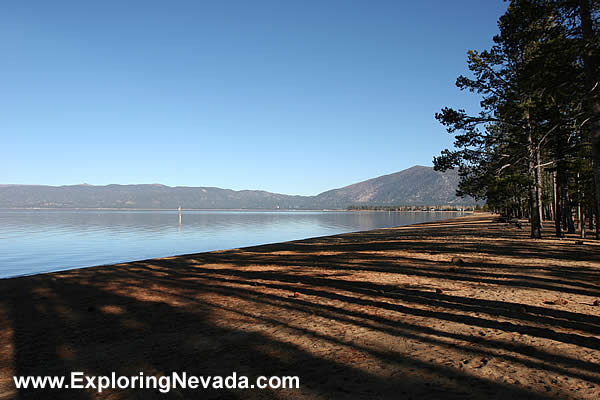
(34, 241)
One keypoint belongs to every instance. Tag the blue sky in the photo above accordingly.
(290, 96)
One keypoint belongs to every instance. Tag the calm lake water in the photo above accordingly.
(35, 241)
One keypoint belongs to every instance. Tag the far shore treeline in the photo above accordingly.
(534, 148)
(418, 208)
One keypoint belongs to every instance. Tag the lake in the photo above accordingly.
(36, 241)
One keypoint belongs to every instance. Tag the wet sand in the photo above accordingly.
(457, 309)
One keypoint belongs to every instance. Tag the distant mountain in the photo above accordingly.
(142, 196)
(417, 185)
(414, 186)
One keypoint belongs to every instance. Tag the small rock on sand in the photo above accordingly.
(559, 302)
(457, 261)
(523, 309)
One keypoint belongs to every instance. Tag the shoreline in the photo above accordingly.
(113, 262)
(215, 209)
(462, 307)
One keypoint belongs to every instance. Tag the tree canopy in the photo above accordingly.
(533, 149)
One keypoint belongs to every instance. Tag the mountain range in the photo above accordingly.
(417, 185)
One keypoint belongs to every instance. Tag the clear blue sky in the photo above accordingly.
(287, 96)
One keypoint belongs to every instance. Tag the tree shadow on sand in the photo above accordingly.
(282, 310)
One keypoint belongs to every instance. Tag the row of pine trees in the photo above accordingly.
(533, 150)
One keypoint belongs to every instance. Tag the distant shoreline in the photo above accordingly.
(217, 209)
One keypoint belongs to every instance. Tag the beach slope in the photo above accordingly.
(457, 309)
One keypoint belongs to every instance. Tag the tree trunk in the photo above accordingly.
(534, 207)
(550, 186)
(580, 208)
(557, 207)
(565, 210)
(538, 184)
(569, 214)
(590, 66)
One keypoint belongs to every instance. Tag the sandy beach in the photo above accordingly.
(458, 309)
